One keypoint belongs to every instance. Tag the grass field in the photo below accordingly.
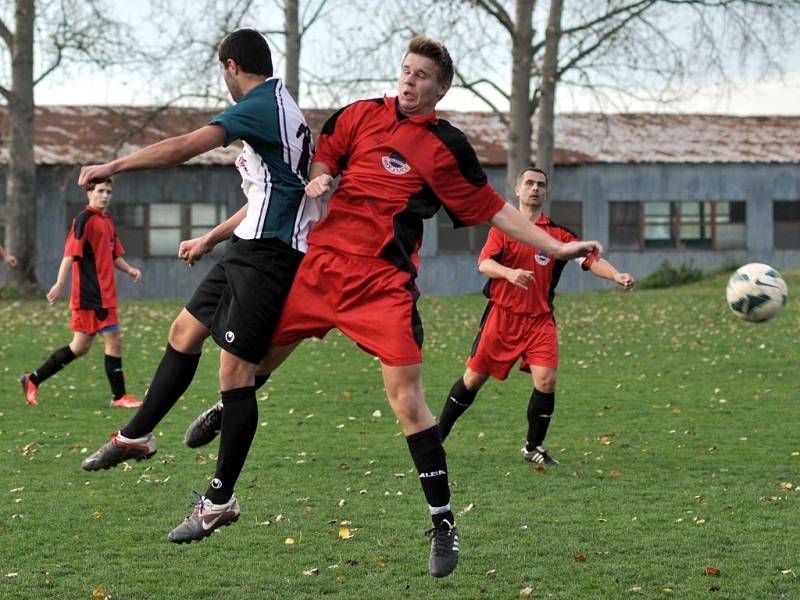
(675, 425)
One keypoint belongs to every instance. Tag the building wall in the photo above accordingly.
(593, 185)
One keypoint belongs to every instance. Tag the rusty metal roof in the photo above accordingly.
(74, 135)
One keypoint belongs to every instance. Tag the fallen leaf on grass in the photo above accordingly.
(526, 591)
(615, 473)
(466, 509)
(98, 592)
(787, 485)
(312, 571)
(345, 534)
(491, 572)
(788, 572)
(712, 571)
(289, 541)
(341, 578)
(580, 558)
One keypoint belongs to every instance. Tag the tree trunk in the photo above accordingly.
(21, 175)
(520, 129)
(545, 134)
(292, 27)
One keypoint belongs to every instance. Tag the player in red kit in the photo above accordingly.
(518, 322)
(92, 252)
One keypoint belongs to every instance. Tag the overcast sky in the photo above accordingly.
(119, 87)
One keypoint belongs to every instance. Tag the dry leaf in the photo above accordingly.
(345, 533)
(712, 571)
(289, 541)
(491, 572)
(786, 485)
(580, 558)
(526, 591)
(377, 413)
(341, 578)
(98, 592)
(614, 473)
(311, 571)
(467, 509)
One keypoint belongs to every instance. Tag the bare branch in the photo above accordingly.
(6, 34)
(495, 9)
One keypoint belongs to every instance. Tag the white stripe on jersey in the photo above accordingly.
(309, 214)
(287, 149)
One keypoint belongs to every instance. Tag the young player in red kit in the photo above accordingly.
(92, 251)
(399, 163)
(518, 321)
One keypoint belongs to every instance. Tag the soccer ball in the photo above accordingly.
(756, 292)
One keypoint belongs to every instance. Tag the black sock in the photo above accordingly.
(540, 409)
(172, 377)
(239, 423)
(57, 361)
(115, 375)
(458, 400)
(429, 458)
(261, 379)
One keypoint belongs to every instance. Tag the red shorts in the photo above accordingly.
(367, 299)
(86, 320)
(504, 337)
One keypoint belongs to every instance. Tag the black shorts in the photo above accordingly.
(242, 296)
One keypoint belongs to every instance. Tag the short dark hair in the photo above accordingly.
(94, 183)
(248, 49)
(533, 170)
(437, 52)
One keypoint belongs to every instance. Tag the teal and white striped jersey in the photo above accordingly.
(273, 164)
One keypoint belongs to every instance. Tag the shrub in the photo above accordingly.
(668, 276)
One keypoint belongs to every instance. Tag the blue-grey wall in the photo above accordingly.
(594, 185)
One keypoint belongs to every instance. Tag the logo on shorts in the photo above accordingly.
(542, 258)
(241, 163)
(395, 164)
(216, 483)
(229, 337)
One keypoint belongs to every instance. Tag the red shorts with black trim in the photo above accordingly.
(91, 320)
(368, 299)
(504, 337)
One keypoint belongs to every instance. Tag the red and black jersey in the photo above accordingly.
(396, 171)
(538, 298)
(93, 243)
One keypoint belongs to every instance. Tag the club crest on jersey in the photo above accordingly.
(395, 164)
(542, 258)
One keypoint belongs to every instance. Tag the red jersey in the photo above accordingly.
(538, 298)
(93, 243)
(396, 171)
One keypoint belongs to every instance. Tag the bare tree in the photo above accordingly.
(615, 51)
(64, 32)
(188, 46)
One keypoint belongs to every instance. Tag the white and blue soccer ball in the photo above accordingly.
(756, 292)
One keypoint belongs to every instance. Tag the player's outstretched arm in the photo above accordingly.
(605, 270)
(193, 250)
(512, 222)
(61, 280)
(494, 270)
(166, 153)
(123, 266)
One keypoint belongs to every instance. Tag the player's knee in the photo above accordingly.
(546, 383)
(474, 381)
(184, 337)
(80, 348)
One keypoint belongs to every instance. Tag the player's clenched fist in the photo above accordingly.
(319, 186)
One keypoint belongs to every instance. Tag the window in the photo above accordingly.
(786, 223)
(464, 240)
(157, 229)
(624, 224)
(568, 214)
(681, 225)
